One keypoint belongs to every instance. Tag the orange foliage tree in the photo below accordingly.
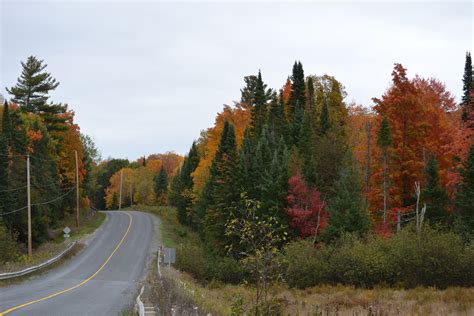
(239, 116)
(420, 113)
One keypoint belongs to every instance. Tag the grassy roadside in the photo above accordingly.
(218, 298)
(89, 223)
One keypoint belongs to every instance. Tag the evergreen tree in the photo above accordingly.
(433, 194)
(347, 213)
(324, 120)
(181, 189)
(467, 83)
(295, 128)
(274, 185)
(222, 188)
(464, 205)
(311, 94)
(298, 90)
(248, 92)
(306, 149)
(259, 107)
(5, 136)
(384, 140)
(161, 185)
(16, 147)
(6, 123)
(246, 169)
(32, 93)
(105, 171)
(45, 184)
(4, 161)
(276, 122)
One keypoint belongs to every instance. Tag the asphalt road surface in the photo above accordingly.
(101, 280)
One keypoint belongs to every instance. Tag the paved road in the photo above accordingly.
(119, 253)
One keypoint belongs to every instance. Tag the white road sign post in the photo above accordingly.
(169, 257)
(66, 231)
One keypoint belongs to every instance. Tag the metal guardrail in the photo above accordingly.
(140, 306)
(10, 275)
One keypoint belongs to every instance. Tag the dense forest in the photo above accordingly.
(34, 127)
(295, 169)
(297, 186)
(323, 167)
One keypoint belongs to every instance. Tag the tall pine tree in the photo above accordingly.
(466, 87)
(325, 124)
(161, 185)
(347, 212)
(259, 107)
(433, 194)
(181, 188)
(464, 206)
(32, 90)
(384, 140)
(221, 188)
(298, 90)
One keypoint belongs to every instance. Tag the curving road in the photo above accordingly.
(101, 280)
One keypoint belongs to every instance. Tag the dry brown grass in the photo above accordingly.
(217, 298)
(336, 300)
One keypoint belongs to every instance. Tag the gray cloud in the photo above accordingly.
(147, 77)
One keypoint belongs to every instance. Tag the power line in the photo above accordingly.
(15, 189)
(14, 211)
(55, 199)
(41, 203)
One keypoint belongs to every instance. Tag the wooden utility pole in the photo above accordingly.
(120, 195)
(398, 221)
(368, 129)
(77, 189)
(28, 193)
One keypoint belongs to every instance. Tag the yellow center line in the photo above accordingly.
(77, 285)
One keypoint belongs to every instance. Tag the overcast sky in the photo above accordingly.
(147, 77)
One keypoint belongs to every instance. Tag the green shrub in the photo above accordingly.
(306, 265)
(434, 258)
(191, 258)
(226, 269)
(8, 247)
(362, 263)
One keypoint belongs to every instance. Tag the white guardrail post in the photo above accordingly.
(9, 275)
(140, 306)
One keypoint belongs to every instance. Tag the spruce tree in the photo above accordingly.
(433, 194)
(325, 124)
(311, 94)
(464, 206)
(6, 123)
(4, 162)
(248, 92)
(347, 213)
(306, 149)
(161, 185)
(222, 188)
(259, 107)
(274, 184)
(246, 169)
(384, 140)
(298, 90)
(467, 83)
(181, 187)
(17, 147)
(295, 128)
(31, 93)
